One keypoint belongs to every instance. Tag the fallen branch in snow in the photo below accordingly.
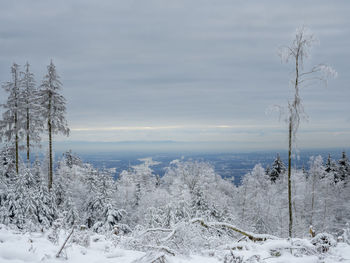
(162, 249)
(64, 244)
(152, 257)
(172, 233)
(251, 236)
(157, 230)
(215, 225)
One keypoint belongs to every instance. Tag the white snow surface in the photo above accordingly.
(18, 247)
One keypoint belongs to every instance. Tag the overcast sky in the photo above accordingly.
(184, 70)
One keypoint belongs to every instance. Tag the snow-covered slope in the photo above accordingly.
(16, 247)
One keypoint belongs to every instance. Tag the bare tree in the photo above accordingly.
(54, 109)
(297, 52)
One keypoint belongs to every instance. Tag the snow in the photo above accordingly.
(16, 247)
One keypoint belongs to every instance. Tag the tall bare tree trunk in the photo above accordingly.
(28, 143)
(291, 126)
(299, 50)
(313, 198)
(16, 139)
(289, 179)
(16, 121)
(50, 144)
(50, 155)
(325, 211)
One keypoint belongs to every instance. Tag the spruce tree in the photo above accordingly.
(331, 168)
(343, 168)
(30, 110)
(54, 110)
(277, 168)
(10, 125)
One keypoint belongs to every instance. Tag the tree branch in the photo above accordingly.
(251, 236)
(214, 225)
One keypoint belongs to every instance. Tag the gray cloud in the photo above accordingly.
(159, 63)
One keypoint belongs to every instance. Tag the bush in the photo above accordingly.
(323, 241)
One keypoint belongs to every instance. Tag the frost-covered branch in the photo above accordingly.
(214, 225)
(251, 236)
(156, 230)
(162, 249)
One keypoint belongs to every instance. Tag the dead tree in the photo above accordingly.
(298, 51)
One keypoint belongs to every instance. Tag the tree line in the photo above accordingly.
(31, 110)
(144, 208)
(336, 170)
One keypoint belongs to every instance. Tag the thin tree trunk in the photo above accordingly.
(28, 143)
(16, 143)
(50, 155)
(313, 199)
(28, 116)
(325, 211)
(291, 124)
(243, 205)
(50, 144)
(16, 123)
(289, 179)
(64, 243)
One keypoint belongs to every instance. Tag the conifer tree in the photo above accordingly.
(30, 110)
(7, 162)
(54, 105)
(343, 168)
(10, 125)
(277, 169)
(331, 167)
(99, 208)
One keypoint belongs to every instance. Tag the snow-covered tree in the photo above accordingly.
(10, 125)
(343, 172)
(317, 173)
(7, 161)
(331, 168)
(27, 204)
(30, 110)
(277, 168)
(54, 109)
(258, 204)
(71, 159)
(137, 190)
(298, 51)
(198, 189)
(99, 208)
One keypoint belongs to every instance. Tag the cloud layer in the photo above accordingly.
(181, 65)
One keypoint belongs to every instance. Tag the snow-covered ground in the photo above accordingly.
(16, 247)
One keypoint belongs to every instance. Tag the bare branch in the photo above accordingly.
(156, 230)
(251, 236)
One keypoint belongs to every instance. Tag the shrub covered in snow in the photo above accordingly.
(323, 241)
